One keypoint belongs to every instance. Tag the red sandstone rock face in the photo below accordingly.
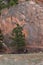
(7, 24)
(30, 16)
(21, 0)
(40, 0)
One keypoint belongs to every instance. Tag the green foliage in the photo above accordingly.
(18, 38)
(1, 39)
(12, 2)
(8, 4)
(16, 1)
(2, 5)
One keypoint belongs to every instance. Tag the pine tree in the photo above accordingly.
(18, 38)
(1, 39)
(7, 4)
(12, 2)
(2, 5)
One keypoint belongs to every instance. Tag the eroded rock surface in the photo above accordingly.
(27, 14)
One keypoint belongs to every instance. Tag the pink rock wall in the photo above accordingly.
(30, 16)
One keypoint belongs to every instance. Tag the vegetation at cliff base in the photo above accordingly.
(18, 38)
(1, 39)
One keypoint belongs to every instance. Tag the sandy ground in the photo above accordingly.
(21, 59)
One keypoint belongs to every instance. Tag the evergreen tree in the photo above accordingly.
(9, 3)
(2, 5)
(1, 39)
(18, 38)
(12, 2)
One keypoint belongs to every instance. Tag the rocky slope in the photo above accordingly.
(27, 14)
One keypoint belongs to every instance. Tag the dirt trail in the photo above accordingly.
(21, 59)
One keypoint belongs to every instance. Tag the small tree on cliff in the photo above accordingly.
(0, 6)
(12, 2)
(1, 39)
(9, 3)
(18, 38)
